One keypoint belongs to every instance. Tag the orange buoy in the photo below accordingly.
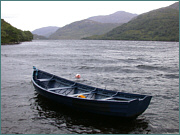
(78, 76)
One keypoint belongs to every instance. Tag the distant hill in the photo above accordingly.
(12, 35)
(117, 17)
(45, 31)
(39, 37)
(157, 25)
(96, 25)
(81, 29)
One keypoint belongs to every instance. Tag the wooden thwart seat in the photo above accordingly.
(117, 98)
(60, 88)
(46, 79)
(43, 80)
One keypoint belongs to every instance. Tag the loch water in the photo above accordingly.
(143, 67)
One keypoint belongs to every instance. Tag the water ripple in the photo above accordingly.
(143, 67)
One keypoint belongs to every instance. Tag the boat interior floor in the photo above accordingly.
(74, 91)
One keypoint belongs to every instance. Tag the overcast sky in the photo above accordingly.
(30, 15)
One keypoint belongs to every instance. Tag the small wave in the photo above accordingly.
(138, 60)
(5, 55)
(146, 67)
(133, 60)
(149, 67)
(85, 67)
(171, 76)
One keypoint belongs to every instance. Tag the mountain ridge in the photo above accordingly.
(156, 25)
(114, 17)
(89, 27)
(45, 31)
(83, 28)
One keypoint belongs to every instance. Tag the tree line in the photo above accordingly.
(12, 35)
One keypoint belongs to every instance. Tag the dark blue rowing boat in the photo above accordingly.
(87, 98)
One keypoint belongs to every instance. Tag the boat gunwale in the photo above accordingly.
(97, 100)
(85, 99)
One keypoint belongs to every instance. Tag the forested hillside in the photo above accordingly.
(157, 25)
(96, 25)
(83, 28)
(12, 35)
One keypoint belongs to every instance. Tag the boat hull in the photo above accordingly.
(125, 109)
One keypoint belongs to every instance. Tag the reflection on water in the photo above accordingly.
(82, 122)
